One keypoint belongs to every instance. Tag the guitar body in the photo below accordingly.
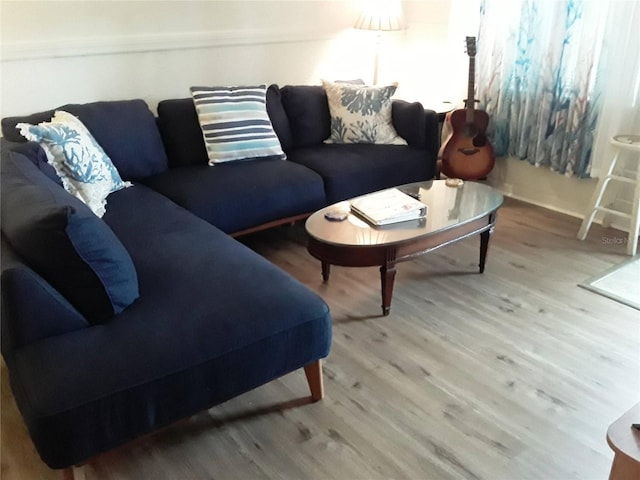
(467, 153)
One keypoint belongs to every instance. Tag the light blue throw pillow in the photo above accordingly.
(84, 168)
(235, 124)
(361, 114)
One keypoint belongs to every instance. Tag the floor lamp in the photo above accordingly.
(380, 16)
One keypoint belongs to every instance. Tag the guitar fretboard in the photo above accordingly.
(471, 88)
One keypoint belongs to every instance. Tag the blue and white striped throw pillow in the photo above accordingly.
(235, 123)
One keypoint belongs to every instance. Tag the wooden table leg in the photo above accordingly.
(387, 277)
(484, 241)
(484, 247)
(326, 270)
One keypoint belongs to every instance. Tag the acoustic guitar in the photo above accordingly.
(467, 153)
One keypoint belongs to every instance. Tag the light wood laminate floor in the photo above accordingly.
(513, 374)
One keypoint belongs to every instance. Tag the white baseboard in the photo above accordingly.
(580, 215)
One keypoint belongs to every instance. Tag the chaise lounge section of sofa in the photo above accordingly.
(114, 327)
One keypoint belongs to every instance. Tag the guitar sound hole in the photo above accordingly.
(479, 140)
(469, 130)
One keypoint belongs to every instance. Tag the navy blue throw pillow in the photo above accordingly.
(65, 242)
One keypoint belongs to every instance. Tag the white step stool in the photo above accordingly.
(621, 143)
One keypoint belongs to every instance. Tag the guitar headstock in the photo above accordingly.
(471, 46)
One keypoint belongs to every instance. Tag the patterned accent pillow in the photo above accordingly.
(85, 170)
(361, 114)
(235, 123)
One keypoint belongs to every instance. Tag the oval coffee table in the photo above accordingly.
(452, 214)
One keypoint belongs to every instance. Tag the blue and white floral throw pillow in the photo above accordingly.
(361, 114)
(84, 168)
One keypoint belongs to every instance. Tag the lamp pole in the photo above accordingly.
(376, 62)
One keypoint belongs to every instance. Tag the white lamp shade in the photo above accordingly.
(381, 15)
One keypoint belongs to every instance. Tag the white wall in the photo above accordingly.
(540, 186)
(57, 52)
(60, 52)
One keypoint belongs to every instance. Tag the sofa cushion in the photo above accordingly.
(181, 133)
(125, 129)
(192, 340)
(127, 132)
(62, 240)
(361, 114)
(242, 195)
(11, 133)
(85, 170)
(349, 170)
(235, 124)
(278, 117)
(308, 113)
(410, 121)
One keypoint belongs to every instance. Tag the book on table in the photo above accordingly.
(388, 206)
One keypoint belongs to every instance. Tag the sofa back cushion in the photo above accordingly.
(63, 241)
(182, 135)
(11, 132)
(410, 121)
(278, 117)
(125, 129)
(307, 109)
(181, 132)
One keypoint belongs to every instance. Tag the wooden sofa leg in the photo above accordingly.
(74, 473)
(313, 371)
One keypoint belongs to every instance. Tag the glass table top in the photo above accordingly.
(447, 207)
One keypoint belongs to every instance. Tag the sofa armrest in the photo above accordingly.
(419, 127)
(31, 309)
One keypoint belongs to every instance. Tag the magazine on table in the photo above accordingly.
(388, 206)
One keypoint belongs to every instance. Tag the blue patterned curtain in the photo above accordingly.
(538, 69)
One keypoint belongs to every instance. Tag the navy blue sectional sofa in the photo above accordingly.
(115, 327)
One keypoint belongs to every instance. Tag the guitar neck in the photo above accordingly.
(471, 88)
